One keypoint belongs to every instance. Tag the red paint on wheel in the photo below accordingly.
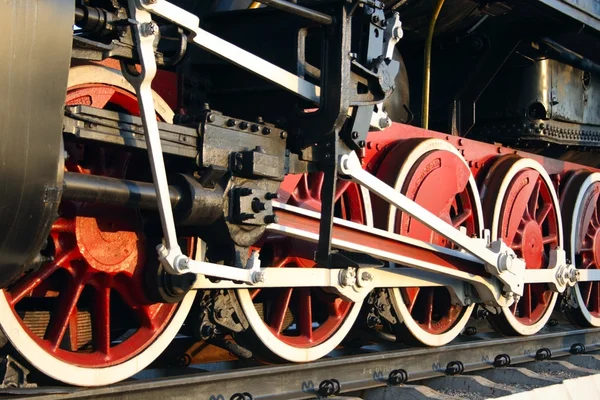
(438, 181)
(588, 248)
(306, 317)
(528, 224)
(87, 306)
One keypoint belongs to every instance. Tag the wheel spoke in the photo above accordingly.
(542, 213)
(526, 303)
(411, 297)
(460, 219)
(534, 198)
(59, 322)
(341, 187)
(550, 239)
(335, 308)
(305, 313)
(101, 320)
(28, 283)
(63, 225)
(596, 296)
(316, 185)
(587, 293)
(429, 308)
(279, 310)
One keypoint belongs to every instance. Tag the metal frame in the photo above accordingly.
(503, 287)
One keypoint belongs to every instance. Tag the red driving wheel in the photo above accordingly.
(302, 324)
(433, 174)
(84, 316)
(523, 211)
(580, 201)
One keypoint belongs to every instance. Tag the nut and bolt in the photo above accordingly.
(258, 276)
(365, 276)
(149, 29)
(271, 219)
(210, 117)
(271, 196)
(231, 122)
(266, 131)
(254, 128)
(385, 122)
(354, 135)
(257, 205)
(243, 125)
(283, 135)
(182, 263)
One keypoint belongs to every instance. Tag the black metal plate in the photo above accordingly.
(35, 47)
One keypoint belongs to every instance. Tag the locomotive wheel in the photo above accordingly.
(302, 324)
(434, 175)
(580, 203)
(522, 209)
(83, 318)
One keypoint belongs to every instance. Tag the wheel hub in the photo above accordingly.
(109, 239)
(533, 246)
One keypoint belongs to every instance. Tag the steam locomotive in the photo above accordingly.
(277, 178)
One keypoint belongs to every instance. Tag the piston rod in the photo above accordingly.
(192, 203)
(101, 189)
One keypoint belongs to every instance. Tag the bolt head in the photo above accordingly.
(385, 122)
(366, 276)
(258, 276)
(149, 29)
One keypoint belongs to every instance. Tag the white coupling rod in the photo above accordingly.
(350, 165)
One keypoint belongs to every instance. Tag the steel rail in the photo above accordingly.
(354, 372)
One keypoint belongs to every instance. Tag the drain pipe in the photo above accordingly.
(427, 64)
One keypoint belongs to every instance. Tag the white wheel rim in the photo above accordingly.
(396, 298)
(296, 354)
(575, 227)
(60, 370)
(519, 165)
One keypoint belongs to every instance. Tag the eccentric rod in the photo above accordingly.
(295, 9)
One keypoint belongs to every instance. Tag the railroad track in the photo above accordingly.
(475, 366)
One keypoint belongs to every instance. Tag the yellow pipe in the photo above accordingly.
(427, 64)
(254, 4)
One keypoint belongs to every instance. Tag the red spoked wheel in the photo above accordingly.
(302, 324)
(580, 201)
(84, 317)
(432, 173)
(523, 211)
